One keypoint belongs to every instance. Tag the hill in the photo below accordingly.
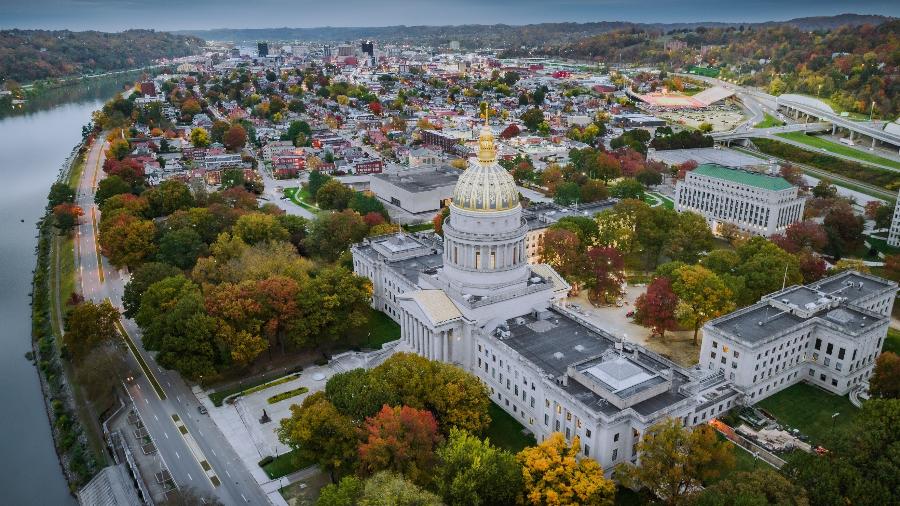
(29, 55)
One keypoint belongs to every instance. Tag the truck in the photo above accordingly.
(848, 142)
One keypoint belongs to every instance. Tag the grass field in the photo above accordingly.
(506, 432)
(245, 389)
(892, 343)
(837, 148)
(285, 464)
(769, 121)
(809, 409)
(881, 245)
(302, 198)
(380, 329)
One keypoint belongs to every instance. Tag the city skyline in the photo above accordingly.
(106, 15)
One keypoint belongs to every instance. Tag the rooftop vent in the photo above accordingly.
(558, 355)
(579, 347)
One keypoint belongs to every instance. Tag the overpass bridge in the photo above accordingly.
(749, 132)
(807, 108)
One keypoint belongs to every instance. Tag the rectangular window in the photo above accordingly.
(616, 437)
(818, 344)
(829, 349)
(546, 419)
(587, 433)
(493, 260)
(587, 451)
(568, 433)
(478, 260)
(841, 354)
(615, 454)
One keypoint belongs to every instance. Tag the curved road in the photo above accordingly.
(100, 281)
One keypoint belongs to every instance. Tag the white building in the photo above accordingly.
(894, 232)
(473, 299)
(828, 334)
(416, 191)
(756, 203)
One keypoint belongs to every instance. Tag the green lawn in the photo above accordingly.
(768, 122)
(506, 432)
(743, 462)
(380, 329)
(420, 227)
(892, 343)
(285, 464)
(256, 385)
(301, 197)
(834, 147)
(881, 245)
(809, 409)
(666, 201)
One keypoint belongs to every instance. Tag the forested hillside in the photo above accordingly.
(28, 55)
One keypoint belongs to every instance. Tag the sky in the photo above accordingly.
(117, 15)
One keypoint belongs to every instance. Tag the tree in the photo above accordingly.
(333, 233)
(170, 196)
(217, 132)
(761, 487)
(359, 394)
(562, 249)
(607, 273)
(65, 216)
(126, 240)
(532, 118)
(108, 187)
(60, 193)
(331, 305)
(850, 264)
(174, 321)
(648, 177)
(382, 489)
(628, 188)
(400, 439)
(812, 267)
(200, 137)
(235, 138)
(885, 382)
(181, 247)
(142, 277)
(883, 216)
(689, 238)
(702, 296)
(553, 474)
(844, 230)
(653, 230)
(705, 127)
(802, 235)
(319, 433)
(119, 149)
(316, 180)
(438, 220)
(764, 268)
(256, 228)
(473, 472)
(334, 195)
(676, 460)
(88, 326)
(567, 193)
(824, 189)
(656, 307)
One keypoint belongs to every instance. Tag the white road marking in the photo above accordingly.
(213, 452)
(229, 474)
(147, 401)
(166, 434)
(176, 455)
(201, 432)
(177, 398)
(244, 498)
(189, 476)
(139, 386)
(156, 417)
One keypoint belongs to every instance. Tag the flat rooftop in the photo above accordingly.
(852, 285)
(726, 157)
(421, 179)
(745, 324)
(742, 177)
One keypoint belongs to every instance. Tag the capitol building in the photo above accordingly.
(473, 299)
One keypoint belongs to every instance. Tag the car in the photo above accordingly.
(630, 314)
(202, 410)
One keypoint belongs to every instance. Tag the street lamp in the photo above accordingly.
(832, 422)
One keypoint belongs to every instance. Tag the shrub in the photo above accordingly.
(266, 461)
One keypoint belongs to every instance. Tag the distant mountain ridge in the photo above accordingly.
(502, 35)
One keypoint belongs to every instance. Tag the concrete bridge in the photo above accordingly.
(804, 108)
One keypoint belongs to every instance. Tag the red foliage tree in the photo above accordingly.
(66, 215)
(656, 307)
(892, 267)
(277, 297)
(375, 107)
(872, 208)
(686, 167)
(812, 267)
(510, 132)
(373, 218)
(235, 138)
(438, 220)
(607, 273)
(802, 235)
(401, 439)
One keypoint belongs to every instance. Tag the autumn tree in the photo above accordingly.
(676, 460)
(65, 216)
(334, 195)
(702, 296)
(438, 220)
(381, 489)
(332, 304)
(200, 137)
(472, 471)
(802, 235)
(108, 187)
(562, 249)
(126, 240)
(235, 138)
(553, 474)
(607, 268)
(885, 381)
(60, 193)
(181, 247)
(689, 238)
(763, 268)
(656, 307)
(89, 325)
(256, 228)
(360, 394)
(118, 149)
(319, 433)
(400, 439)
(170, 196)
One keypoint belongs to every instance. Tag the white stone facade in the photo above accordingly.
(757, 204)
(894, 232)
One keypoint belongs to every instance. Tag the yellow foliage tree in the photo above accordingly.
(554, 476)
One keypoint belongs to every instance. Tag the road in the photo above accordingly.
(100, 281)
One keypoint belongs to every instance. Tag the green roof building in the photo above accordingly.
(755, 203)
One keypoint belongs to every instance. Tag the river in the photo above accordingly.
(34, 142)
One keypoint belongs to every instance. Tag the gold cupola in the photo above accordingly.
(486, 186)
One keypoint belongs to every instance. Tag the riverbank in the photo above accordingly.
(78, 457)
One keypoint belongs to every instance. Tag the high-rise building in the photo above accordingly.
(894, 232)
(368, 47)
(262, 49)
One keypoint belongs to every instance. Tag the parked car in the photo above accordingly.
(202, 410)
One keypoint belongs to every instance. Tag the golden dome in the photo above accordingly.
(485, 185)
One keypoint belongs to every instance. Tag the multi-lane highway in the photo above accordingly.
(100, 281)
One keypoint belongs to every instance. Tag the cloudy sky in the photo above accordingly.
(115, 15)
